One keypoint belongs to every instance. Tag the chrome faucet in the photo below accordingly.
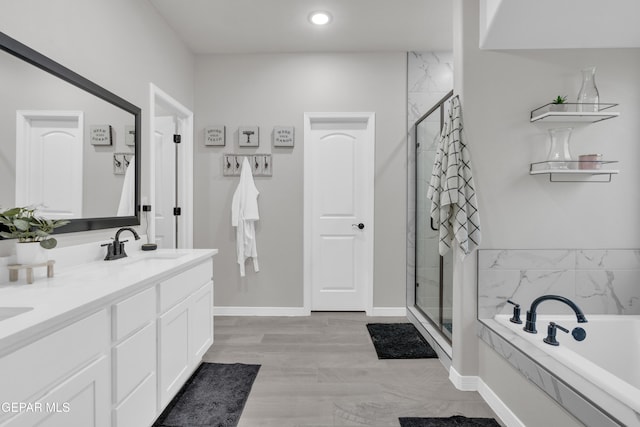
(530, 324)
(115, 250)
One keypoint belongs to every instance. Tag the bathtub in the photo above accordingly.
(609, 357)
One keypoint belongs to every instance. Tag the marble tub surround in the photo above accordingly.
(80, 288)
(600, 281)
(586, 401)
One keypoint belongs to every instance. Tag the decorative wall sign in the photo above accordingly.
(121, 162)
(283, 136)
(215, 135)
(248, 136)
(130, 135)
(100, 135)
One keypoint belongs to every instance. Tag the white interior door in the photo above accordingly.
(339, 164)
(49, 162)
(165, 179)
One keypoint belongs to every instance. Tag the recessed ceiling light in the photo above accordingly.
(320, 18)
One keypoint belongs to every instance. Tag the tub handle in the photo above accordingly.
(551, 333)
(516, 313)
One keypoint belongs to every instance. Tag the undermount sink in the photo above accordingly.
(9, 312)
(152, 258)
(162, 256)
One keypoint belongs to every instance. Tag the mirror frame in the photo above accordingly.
(37, 59)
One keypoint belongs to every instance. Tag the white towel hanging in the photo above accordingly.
(454, 208)
(244, 214)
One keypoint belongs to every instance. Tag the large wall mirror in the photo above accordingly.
(67, 145)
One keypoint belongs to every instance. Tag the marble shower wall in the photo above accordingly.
(429, 78)
(600, 281)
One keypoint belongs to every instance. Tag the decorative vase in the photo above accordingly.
(30, 253)
(588, 97)
(559, 153)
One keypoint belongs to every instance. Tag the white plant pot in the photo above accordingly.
(558, 107)
(30, 253)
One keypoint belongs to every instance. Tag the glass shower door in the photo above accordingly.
(434, 284)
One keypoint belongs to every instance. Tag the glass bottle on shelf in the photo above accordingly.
(559, 156)
(588, 97)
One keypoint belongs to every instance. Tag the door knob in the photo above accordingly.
(360, 226)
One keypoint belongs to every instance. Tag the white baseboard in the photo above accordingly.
(462, 382)
(389, 311)
(502, 411)
(260, 311)
(297, 311)
(473, 383)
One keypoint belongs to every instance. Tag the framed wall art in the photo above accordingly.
(130, 135)
(283, 136)
(248, 136)
(215, 135)
(100, 135)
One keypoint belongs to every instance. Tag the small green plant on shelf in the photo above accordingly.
(23, 224)
(560, 100)
(559, 104)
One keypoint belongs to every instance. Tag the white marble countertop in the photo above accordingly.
(80, 289)
(516, 349)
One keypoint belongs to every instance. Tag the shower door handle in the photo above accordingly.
(433, 226)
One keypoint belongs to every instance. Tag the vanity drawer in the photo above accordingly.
(176, 288)
(132, 313)
(44, 363)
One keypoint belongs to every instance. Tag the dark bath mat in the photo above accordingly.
(214, 396)
(455, 421)
(399, 341)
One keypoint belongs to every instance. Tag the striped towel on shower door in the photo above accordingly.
(454, 207)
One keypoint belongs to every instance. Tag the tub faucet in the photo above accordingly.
(115, 250)
(530, 324)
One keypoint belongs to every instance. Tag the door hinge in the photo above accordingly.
(177, 138)
(177, 211)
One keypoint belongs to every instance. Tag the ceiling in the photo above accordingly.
(256, 26)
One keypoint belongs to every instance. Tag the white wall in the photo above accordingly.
(121, 45)
(271, 90)
(498, 90)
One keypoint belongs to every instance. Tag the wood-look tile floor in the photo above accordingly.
(322, 371)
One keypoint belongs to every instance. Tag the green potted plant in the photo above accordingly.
(559, 104)
(32, 231)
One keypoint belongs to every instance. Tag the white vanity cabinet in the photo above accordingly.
(185, 327)
(120, 362)
(63, 376)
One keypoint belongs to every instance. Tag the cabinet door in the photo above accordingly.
(201, 322)
(82, 400)
(134, 378)
(174, 356)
